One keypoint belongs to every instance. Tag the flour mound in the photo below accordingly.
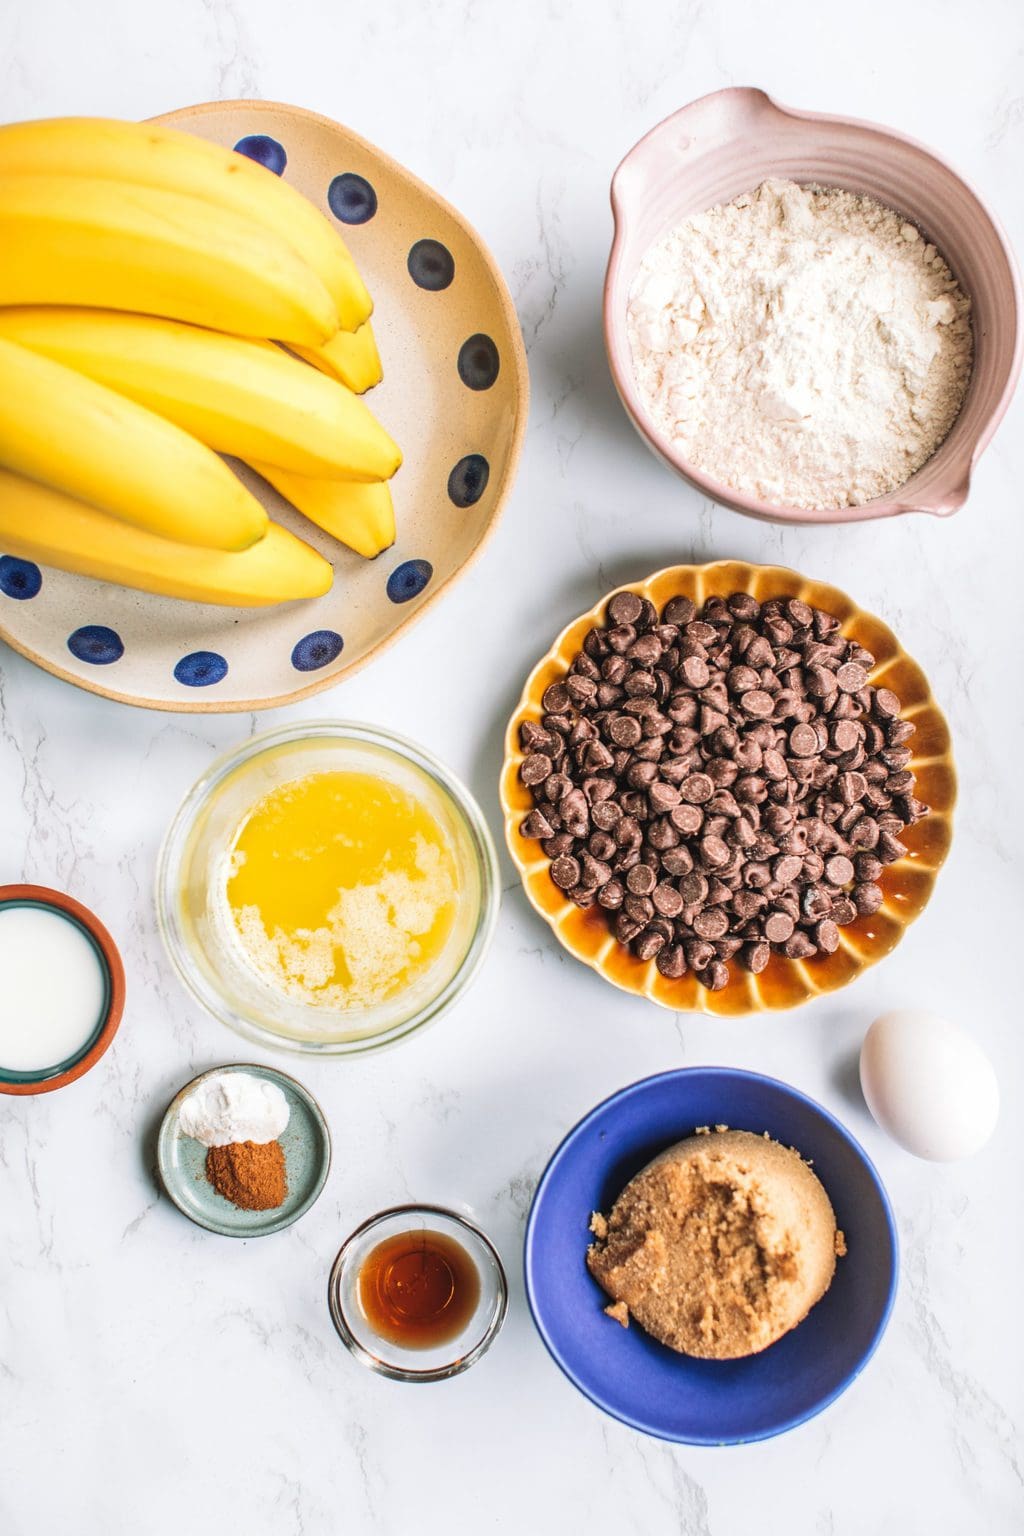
(804, 345)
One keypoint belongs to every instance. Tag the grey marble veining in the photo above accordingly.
(157, 1379)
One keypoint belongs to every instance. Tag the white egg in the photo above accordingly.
(929, 1084)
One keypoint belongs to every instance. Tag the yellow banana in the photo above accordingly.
(149, 155)
(37, 523)
(351, 357)
(68, 432)
(361, 516)
(239, 396)
(80, 240)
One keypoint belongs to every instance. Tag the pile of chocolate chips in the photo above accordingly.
(724, 783)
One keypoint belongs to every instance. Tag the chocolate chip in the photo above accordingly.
(625, 730)
(756, 703)
(693, 888)
(712, 923)
(677, 861)
(537, 825)
(565, 872)
(687, 819)
(851, 678)
(787, 868)
(535, 768)
(671, 961)
(555, 846)
(662, 797)
(606, 815)
(866, 867)
(641, 880)
(755, 956)
(839, 870)
(778, 926)
(555, 699)
(803, 741)
(648, 944)
(826, 936)
(667, 900)
(625, 608)
(699, 954)
(820, 681)
(885, 703)
(717, 976)
(697, 788)
(799, 946)
(867, 898)
(890, 848)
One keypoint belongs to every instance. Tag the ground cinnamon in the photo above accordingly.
(251, 1174)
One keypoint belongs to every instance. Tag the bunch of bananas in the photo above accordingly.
(150, 284)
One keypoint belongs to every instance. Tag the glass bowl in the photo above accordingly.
(440, 1361)
(191, 865)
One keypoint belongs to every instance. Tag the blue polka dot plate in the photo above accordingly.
(454, 396)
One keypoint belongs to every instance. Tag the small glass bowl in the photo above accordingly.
(390, 1359)
(190, 870)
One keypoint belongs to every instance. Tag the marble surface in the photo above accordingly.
(155, 1378)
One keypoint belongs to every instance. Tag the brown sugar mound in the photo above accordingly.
(719, 1246)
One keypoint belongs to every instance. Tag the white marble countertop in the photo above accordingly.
(154, 1378)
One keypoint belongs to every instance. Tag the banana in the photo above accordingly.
(152, 156)
(239, 396)
(351, 357)
(361, 516)
(115, 245)
(68, 432)
(41, 524)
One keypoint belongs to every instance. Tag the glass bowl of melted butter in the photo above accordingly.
(328, 887)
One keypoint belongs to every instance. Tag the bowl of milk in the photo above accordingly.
(63, 989)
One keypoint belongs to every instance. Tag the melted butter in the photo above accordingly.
(342, 889)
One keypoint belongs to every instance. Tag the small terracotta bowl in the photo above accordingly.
(46, 1079)
(731, 141)
(907, 884)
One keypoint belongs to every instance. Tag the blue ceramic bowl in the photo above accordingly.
(625, 1371)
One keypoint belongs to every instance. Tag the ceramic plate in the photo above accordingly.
(632, 1376)
(306, 1143)
(454, 397)
(907, 884)
(731, 141)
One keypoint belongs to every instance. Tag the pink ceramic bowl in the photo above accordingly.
(728, 143)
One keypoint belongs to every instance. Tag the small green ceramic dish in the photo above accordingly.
(306, 1143)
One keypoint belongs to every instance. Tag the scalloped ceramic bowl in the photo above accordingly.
(454, 396)
(729, 142)
(907, 884)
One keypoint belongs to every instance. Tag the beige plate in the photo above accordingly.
(907, 884)
(164, 654)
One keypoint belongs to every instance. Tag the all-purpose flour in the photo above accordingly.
(806, 346)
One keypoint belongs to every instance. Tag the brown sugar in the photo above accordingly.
(719, 1246)
(251, 1174)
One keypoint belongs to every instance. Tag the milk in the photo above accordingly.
(52, 989)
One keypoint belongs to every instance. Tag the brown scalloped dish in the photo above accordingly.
(903, 885)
